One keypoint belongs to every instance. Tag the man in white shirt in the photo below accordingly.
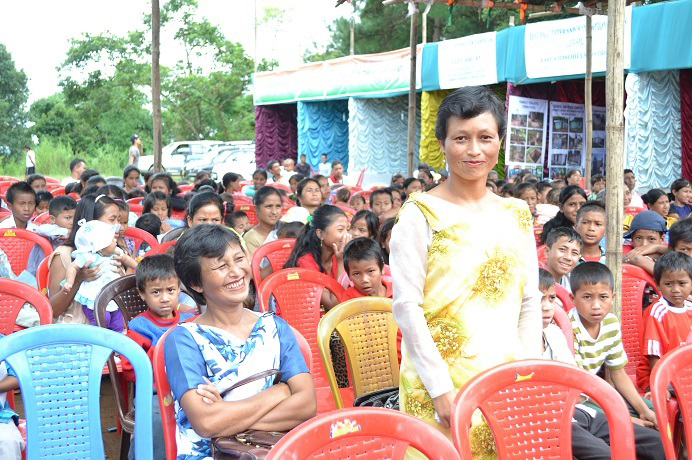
(337, 175)
(30, 161)
(631, 182)
(77, 167)
(323, 169)
(274, 171)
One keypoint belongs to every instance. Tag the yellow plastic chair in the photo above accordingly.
(367, 328)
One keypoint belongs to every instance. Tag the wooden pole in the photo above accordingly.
(615, 144)
(412, 92)
(588, 105)
(156, 82)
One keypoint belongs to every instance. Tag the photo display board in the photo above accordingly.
(526, 135)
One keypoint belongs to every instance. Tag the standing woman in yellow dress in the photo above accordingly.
(465, 270)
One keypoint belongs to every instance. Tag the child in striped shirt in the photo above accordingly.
(597, 337)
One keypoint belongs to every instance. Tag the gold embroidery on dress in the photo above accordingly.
(496, 274)
(419, 403)
(449, 338)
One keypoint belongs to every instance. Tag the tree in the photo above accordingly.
(14, 94)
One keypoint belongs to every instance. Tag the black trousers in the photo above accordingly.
(30, 170)
(591, 439)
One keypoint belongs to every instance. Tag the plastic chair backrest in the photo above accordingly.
(562, 321)
(528, 406)
(139, 236)
(161, 248)
(137, 209)
(634, 282)
(42, 218)
(537, 234)
(59, 367)
(165, 397)
(54, 186)
(4, 185)
(50, 180)
(42, 276)
(178, 215)
(186, 187)
(17, 245)
(298, 294)
(367, 328)
(74, 195)
(245, 204)
(362, 432)
(60, 191)
(277, 253)
(280, 186)
(8, 179)
(124, 292)
(540, 252)
(674, 368)
(563, 296)
(135, 200)
(633, 210)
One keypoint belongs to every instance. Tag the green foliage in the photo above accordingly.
(13, 96)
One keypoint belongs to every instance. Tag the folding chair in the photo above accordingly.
(277, 253)
(298, 294)
(528, 406)
(362, 432)
(139, 236)
(163, 389)
(59, 372)
(18, 244)
(124, 292)
(674, 368)
(367, 328)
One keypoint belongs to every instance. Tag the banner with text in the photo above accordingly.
(566, 138)
(557, 48)
(467, 61)
(526, 133)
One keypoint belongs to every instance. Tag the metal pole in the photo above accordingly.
(412, 92)
(615, 144)
(588, 105)
(156, 82)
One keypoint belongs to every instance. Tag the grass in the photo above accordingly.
(53, 159)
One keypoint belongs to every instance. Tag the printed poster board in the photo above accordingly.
(567, 129)
(526, 135)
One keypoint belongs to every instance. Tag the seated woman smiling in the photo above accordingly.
(227, 344)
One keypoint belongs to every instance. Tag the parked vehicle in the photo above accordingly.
(175, 155)
(228, 152)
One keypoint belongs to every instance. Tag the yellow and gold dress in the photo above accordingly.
(465, 297)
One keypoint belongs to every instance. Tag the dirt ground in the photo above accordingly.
(111, 440)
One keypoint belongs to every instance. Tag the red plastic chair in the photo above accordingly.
(245, 204)
(537, 233)
(8, 179)
(634, 283)
(633, 210)
(139, 236)
(562, 321)
(165, 397)
(4, 185)
(58, 191)
(74, 195)
(280, 186)
(298, 293)
(13, 295)
(4, 213)
(52, 186)
(43, 218)
(529, 405)
(137, 209)
(540, 252)
(135, 200)
(674, 368)
(42, 276)
(18, 243)
(161, 248)
(365, 194)
(277, 252)
(50, 180)
(186, 188)
(362, 432)
(179, 215)
(563, 296)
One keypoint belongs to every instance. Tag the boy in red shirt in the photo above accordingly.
(667, 322)
(364, 262)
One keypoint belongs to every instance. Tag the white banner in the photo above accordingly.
(526, 131)
(557, 48)
(467, 61)
(567, 128)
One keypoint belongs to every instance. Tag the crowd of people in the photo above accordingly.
(457, 250)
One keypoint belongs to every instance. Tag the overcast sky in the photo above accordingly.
(37, 32)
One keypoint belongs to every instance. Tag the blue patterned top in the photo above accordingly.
(196, 351)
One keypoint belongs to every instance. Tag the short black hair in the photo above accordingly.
(590, 273)
(75, 162)
(88, 174)
(523, 187)
(409, 181)
(336, 163)
(553, 196)
(152, 198)
(271, 163)
(43, 195)
(559, 232)
(507, 188)
(396, 177)
(60, 204)
(371, 221)
(152, 268)
(228, 178)
(680, 232)
(363, 249)
(90, 190)
(17, 188)
(290, 230)
(627, 171)
(34, 177)
(128, 169)
(597, 178)
(136, 193)
(112, 191)
(150, 223)
(381, 191)
(593, 206)
(96, 179)
(672, 262)
(542, 185)
(261, 172)
(73, 187)
(467, 103)
(545, 279)
(202, 241)
(235, 216)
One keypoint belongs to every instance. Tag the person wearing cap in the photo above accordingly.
(135, 151)
(646, 232)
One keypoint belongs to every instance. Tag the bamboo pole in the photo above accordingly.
(412, 92)
(588, 105)
(156, 82)
(615, 132)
